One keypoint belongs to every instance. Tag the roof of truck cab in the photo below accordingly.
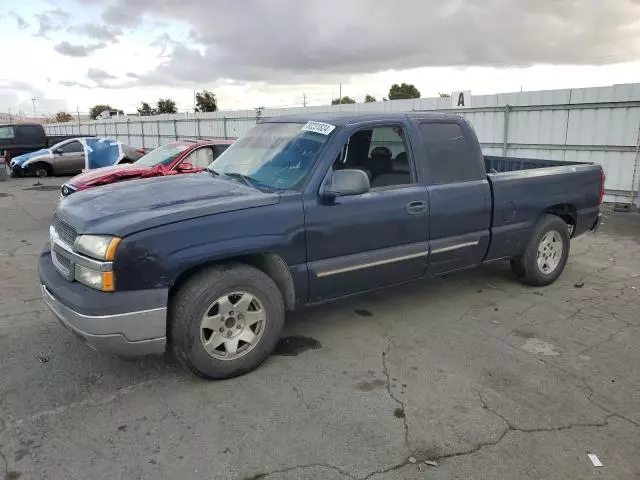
(348, 118)
(20, 125)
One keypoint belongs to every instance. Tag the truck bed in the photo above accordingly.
(497, 164)
(523, 187)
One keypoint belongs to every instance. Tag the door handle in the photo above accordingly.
(416, 207)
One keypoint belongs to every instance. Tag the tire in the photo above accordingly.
(528, 268)
(41, 170)
(200, 295)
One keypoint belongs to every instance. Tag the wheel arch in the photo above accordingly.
(567, 212)
(32, 167)
(270, 264)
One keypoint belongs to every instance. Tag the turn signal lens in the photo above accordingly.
(108, 282)
(111, 249)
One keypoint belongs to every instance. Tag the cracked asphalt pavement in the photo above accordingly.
(480, 375)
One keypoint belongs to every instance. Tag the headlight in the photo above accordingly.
(94, 279)
(100, 247)
(66, 190)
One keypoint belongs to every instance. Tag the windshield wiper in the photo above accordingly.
(249, 181)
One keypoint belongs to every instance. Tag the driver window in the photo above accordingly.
(201, 158)
(73, 147)
(381, 152)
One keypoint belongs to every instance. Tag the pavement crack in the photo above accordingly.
(261, 476)
(511, 426)
(385, 371)
(606, 340)
(609, 411)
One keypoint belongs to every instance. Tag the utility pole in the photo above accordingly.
(33, 100)
(78, 113)
(9, 115)
(304, 100)
(340, 102)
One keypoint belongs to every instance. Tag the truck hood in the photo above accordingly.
(128, 207)
(104, 175)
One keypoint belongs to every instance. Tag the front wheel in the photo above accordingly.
(226, 320)
(545, 254)
(41, 171)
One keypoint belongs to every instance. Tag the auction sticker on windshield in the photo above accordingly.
(318, 127)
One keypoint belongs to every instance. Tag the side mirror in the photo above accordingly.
(57, 151)
(185, 167)
(344, 183)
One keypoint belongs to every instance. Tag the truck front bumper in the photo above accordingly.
(123, 323)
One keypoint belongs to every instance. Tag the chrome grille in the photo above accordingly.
(65, 232)
(62, 263)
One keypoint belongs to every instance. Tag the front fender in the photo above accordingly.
(155, 258)
(31, 159)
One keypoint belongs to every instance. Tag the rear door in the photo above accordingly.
(362, 242)
(459, 196)
(69, 158)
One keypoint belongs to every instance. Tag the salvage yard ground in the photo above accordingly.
(474, 372)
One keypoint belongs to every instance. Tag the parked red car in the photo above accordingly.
(181, 156)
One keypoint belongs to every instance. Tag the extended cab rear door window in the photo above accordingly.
(449, 157)
(381, 152)
(30, 133)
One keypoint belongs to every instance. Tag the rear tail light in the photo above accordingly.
(604, 177)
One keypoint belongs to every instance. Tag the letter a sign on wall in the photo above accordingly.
(461, 99)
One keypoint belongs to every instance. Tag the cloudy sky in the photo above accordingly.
(70, 54)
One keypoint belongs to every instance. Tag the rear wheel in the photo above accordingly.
(545, 254)
(226, 320)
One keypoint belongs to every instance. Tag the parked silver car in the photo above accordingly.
(64, 158)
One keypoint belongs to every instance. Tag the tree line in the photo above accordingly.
(206, 101)
(396, 92)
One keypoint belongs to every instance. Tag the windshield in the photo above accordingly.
(275, 155)
(163, 155)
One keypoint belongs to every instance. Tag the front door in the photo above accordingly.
(69, 158)
(379, 238)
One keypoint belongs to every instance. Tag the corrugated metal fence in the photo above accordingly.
(599, 125)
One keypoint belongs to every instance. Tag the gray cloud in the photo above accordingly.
(70, 50)
(22, 23)
(51, 21)
(98, 75)
(103, 33)
(289, 40)
(69, 83)
(103, 79)
(165, 42)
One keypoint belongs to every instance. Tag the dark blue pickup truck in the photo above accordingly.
(299, 211)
